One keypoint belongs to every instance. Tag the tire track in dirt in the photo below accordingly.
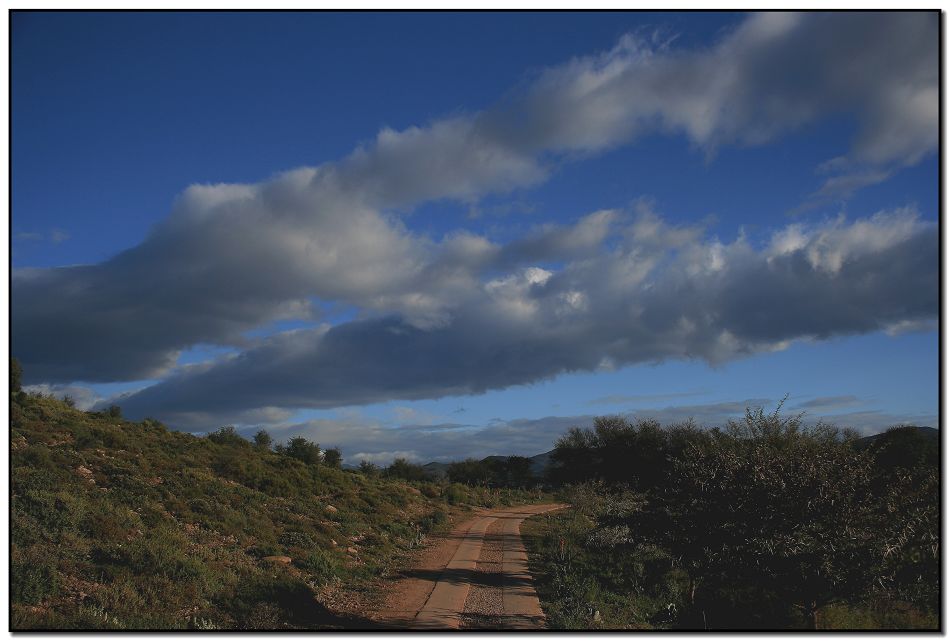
(435, 594)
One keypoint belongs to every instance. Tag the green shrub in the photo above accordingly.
(333, 457)
(200, 506)
(369, 469)
(226, 435)
(319, 563)
(109, 525)
(55, 512)
(33, 580)
(456, 494)
(434, 521)
(403, 469)
(296, 539)
(302, 450)
(263, 440)
(430, 490)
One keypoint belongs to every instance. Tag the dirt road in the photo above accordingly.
(477, 577)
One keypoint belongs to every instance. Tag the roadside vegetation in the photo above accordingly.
(765, 524)
(129, 525)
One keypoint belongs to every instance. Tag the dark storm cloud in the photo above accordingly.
(663, 293)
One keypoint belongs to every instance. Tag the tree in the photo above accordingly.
(303, 450)
(226, 435)
(368, 468)
(470, 471)
(263, 440)
(789, 505)
(518, 471)
(632, 453)
(615, 450)
(333, 457)
(403, 469)
(574, 457)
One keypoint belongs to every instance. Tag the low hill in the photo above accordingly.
(907, 446)
(436, 470)
(118, 524)
(926, 433)
(539, 463)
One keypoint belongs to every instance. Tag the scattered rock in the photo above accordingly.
(331, 509)
(413, 490)
(278, 559)
(333, 542)
(85, 473)
(351, 551)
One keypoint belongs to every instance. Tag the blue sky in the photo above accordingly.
(450, 155)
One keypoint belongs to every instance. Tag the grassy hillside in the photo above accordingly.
(117, 524)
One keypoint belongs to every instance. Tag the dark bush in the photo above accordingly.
(263, 440)
(333, 457)
(455, 494)
(403, 469)
(296, 539)
(369, 469)
(303, 450)
(226, 435)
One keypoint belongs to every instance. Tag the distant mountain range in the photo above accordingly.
(539, 462)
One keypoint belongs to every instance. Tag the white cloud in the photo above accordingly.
(643, 301)
(463, 314)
